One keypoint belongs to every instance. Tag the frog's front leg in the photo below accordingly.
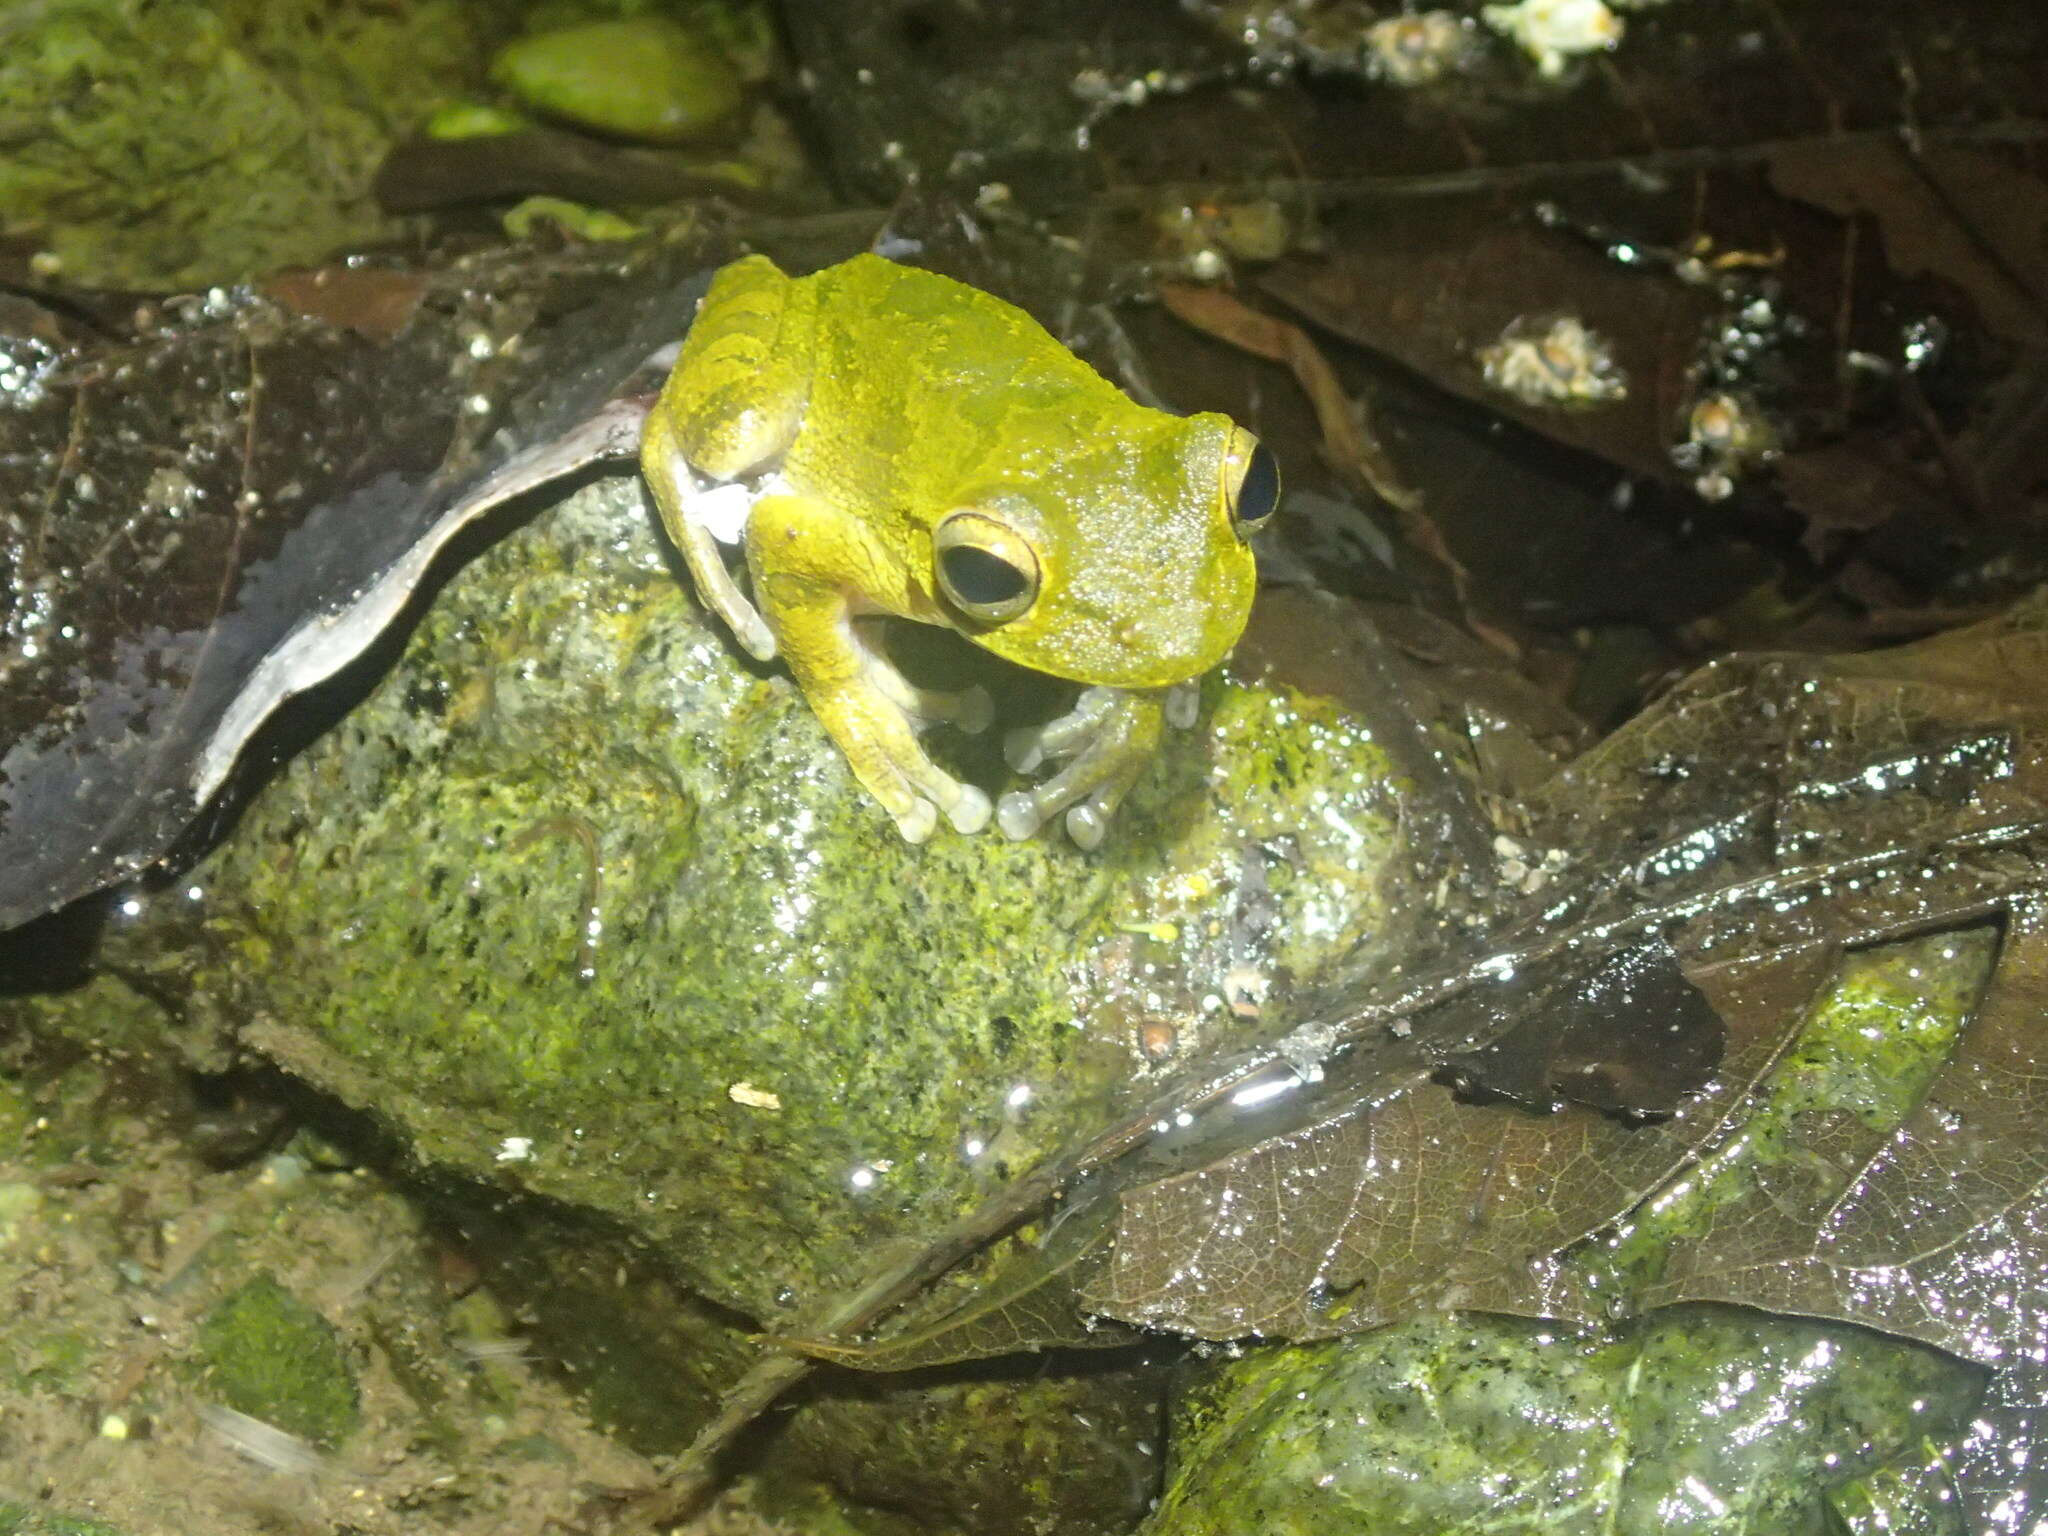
(1107, 738)
(801, 552)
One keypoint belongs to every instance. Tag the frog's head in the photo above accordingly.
(1121, 560)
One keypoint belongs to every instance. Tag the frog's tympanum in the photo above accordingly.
(888, 441)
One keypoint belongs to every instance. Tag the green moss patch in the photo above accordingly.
(271, 1356)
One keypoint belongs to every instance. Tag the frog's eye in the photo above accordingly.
(986, 570)
(1257, 491)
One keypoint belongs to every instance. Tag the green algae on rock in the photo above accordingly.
(579, 904)
(472, 120)
(574, 219)
(1908, 1496)
(18, 1202)
(1446, 1423)
(20, 1520)
(270, 1355)
(573, 875)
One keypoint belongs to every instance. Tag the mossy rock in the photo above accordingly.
(645, 77)
(268, 1354)
(19, 1203)
(575, 888)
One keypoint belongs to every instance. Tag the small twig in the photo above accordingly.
(1962, 478)
(1345, 189)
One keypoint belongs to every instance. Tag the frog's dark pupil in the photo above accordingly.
(1260, 491)
(980, 578)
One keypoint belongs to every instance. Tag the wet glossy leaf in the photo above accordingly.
(1776, 808)
(1630, 1037)
(1435, 285)
(226, 503)
(1405, 1196)
(1759, 823)
(1962, 215)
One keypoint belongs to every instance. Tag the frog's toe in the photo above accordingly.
(754, 635)
(1183, 705)
(1022, 812)
(964, 807)
(974, 711)
(1018, 815)
(969, 811)
(1086, 825)
(1027, 749)
(1024, 748)
(919, 822)
(1104, 741)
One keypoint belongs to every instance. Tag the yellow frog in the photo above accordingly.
(888, 441)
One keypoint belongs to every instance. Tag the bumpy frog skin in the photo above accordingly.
(888, 441)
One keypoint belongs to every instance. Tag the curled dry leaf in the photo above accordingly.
(1348, 440)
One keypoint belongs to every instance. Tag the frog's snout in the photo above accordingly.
(1171, 640)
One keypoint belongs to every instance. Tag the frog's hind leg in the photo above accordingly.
(725, 419)
(689, 511)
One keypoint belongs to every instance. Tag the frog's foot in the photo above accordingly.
(1108, 737)
(883, 749)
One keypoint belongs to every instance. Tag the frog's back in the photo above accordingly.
(953, 337)
(938, 371)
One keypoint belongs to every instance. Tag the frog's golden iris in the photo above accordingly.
(888, 441)
(985, 569)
